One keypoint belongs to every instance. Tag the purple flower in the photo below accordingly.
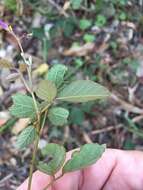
(4, 25)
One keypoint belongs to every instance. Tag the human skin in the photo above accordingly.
(115, 170)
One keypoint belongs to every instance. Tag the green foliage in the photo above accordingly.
(26, 137)
(87, 155)
(83, 91)
(65, 25)
(58, 116)
(79, 62)
(100, 20)
(76, 116)
(46, 90)
(11, 5)
(56, 74)
(23, 106)
(89, 38)
(85, 24)
(122, 16)
(76, 3)
(54, 155)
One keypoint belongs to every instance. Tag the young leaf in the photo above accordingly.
(56, 74)
(58, 116)
(23, 106)
(46, 90)
(55, 157)
(88, 154)
(83, 91)
(26, 137)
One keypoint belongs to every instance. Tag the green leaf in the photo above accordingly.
(83, 91)
(76, 116)
(9, 124)
(87, 155)
(23, 106)
(56, 74)
(46, 90)
(84, 24)
(26, 137)
(76, 3)
(58, 116)
(11, 5)
(100, 21)
(89, 38)
(55, 157)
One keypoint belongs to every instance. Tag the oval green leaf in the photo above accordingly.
(58, 116)
(46, 90)
(23, 106)
(88, 154)
(26, 137)
(56, 74)
(54, 156)
(83, 91)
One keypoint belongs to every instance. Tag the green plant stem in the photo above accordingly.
(33, 162)
(35, 150)
(54, 179)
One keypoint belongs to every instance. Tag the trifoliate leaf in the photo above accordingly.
(83, 91)
(23, 106)
(88, 154)
(26, 137)
(56, 74)
(58, 116)
(54, 155)
(46, 90)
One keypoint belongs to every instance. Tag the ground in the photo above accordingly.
(98, 40)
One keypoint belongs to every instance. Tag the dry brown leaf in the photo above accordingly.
(4, 63)
(66, 5)
(22, 67)
(20, 125)
(80, 51)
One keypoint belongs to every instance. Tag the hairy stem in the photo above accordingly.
(36, 149)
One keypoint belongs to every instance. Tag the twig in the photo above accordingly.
(35, 151)
(110, 128)
(128, 107)
(54, 179)
(87, 138)
(6, 178)
(58, 8)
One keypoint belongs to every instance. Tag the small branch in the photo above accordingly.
(110, 128)
(35, 150)
(58, 8)
(54, 179)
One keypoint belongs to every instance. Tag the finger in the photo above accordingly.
(94, 177)
(39, 182)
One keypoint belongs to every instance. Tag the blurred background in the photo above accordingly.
(100, 40)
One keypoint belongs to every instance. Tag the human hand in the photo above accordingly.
(116, 170)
